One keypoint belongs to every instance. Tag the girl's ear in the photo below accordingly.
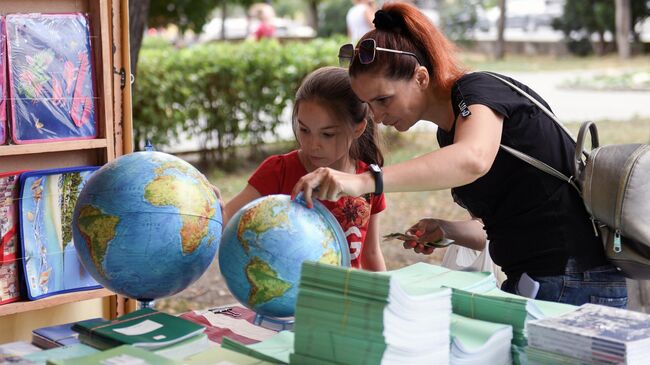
(422, 77)
(360, 128)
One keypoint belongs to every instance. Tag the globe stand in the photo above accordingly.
(273, 323)
(146, 303)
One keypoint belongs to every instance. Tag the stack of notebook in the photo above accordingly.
(352, 317)
(159, 332)
(479, 342)
(592, 334)
(500, 307)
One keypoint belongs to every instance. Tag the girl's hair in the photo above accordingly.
(330, 87)
(403, 27)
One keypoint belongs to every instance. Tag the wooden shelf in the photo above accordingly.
(49, 147)
(25, 306)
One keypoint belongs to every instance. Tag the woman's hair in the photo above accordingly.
(330, 88)
(403, 27)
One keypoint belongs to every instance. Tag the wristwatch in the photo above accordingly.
(379, 180)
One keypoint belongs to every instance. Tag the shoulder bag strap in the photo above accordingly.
(531, 160)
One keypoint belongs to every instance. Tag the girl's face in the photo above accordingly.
(324, 140)
(395, 103)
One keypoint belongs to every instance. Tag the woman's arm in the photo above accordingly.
(245, 196)
(372, 259)
(471, 156)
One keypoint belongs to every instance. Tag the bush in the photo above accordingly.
(224, 93)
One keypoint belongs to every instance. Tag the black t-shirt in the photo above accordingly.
(534, 221)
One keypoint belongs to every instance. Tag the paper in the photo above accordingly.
(141, 328)
(444, 242)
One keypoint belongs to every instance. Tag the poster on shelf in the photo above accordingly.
(51, 77)
(3, 83)
(50, 262)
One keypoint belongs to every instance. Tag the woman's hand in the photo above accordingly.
(328, 184)
(426, 230)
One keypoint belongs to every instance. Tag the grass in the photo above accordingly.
(404, 209)
(521, 63)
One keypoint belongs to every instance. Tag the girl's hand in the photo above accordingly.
(328, 184)
(426, 230)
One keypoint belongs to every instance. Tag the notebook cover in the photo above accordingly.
(56, 336)
(47, 200)
(51, 85)
(3, 83)
(9, 282)
(9, 189)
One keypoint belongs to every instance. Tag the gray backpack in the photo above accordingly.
(613, 182)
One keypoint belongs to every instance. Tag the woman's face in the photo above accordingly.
(396, 103)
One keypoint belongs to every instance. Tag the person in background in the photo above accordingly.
(537, 225)
(359, 18)
(334, 130)
(265, 14)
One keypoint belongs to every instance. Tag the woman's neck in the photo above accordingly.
(439, 111)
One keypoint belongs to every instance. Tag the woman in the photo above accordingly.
(537, 225)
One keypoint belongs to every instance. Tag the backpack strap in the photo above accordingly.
(531, 160)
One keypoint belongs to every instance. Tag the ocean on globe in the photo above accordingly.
(147, 225)
(264, 245)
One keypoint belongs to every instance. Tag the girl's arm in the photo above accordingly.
(245, 196)
(471, 156)
(372, 259)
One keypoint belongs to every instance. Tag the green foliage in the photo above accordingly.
(581, 19)
(459, 18)
(332, 17)
(224, 93)
(186, 14)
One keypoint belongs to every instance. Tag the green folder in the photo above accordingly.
(145, 328)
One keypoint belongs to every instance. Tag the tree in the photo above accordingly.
(623, 28)
(500, 49)
(186, 14)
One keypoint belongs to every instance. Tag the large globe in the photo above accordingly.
(147, 225)
(266, 242)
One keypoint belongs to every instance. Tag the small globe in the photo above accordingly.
(264, 245)
(147, 225)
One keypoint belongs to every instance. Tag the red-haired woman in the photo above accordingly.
(537, 225)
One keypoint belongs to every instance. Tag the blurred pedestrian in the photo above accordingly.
(359, 19)
(265, 14)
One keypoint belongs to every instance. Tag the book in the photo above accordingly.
(353, 316)
(145, 328)
(51, 78)
(60, 353)
(185, 348)
(13, 353)
(220, 356)
(595, 333)
(121, 355)
(56, 336)
(236, 322)
(474, 341)
(276, 349)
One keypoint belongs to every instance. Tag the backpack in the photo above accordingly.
(613, 183)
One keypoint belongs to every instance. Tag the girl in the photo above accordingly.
(537, 225)
(333, 130)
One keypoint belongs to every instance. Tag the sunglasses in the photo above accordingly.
(367, 51)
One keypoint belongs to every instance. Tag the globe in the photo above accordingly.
(147, 225)
(264, 245)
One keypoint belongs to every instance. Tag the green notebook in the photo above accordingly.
(118, 355)
(145, 328)
(276, 349)
(219, 355)
(61, 353)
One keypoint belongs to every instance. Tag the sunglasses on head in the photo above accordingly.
(367, 50)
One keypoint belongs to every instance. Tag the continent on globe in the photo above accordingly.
(265, 284)
(260, 218)
(265, 244)
(146, 225)
(97, 230)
